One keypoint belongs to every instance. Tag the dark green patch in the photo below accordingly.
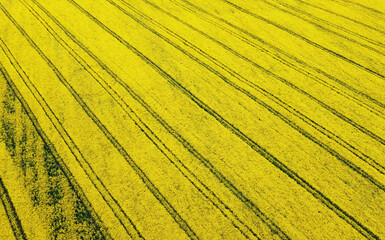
(55, 194)
(58, 224)
(9, 136)
(35, 196)
(9, 106)
(81, 213)
(50, 164)
(39, 167)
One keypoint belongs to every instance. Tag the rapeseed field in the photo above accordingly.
(192, 119)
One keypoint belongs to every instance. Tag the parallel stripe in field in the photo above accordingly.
(14, 220)
(317, 194)
(188, 146)
(379, 44)
(163, 74)
(154, 190)
(325, 49)
(275, 48)
(351, 148)
(254, 98)
(275, 99)
(175, 134)
(342, 16)
(322, 104)
(98, 184)
(269, 108)
(67, 173)
(203, 105)
(280, 59)
(364, 6)
(129, 111)
(302, 71)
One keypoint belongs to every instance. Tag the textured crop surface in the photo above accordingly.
(192, 119)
